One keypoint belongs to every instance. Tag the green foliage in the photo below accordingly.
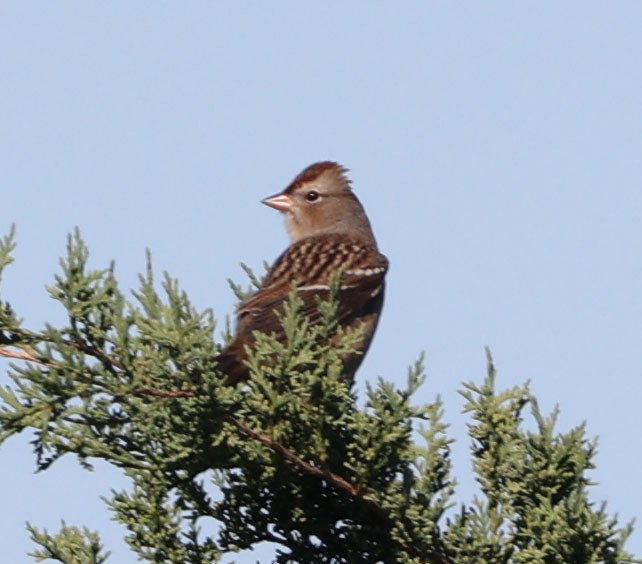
(535, 505)
(288, 457)
(71, 546)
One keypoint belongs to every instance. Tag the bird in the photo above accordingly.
(330, 235)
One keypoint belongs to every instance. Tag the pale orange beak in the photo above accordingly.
(280, 202)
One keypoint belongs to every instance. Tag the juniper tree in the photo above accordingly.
(295, 459)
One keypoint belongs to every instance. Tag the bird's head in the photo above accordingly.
(320, 201)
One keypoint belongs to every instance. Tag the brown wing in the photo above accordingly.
(309, 265)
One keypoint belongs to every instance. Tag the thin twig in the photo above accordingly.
(78, 345)
(334, 479)
(19, 354)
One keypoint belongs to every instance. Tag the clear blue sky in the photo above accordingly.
(497, 147)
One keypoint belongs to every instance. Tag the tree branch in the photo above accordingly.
(336, 481)
(19, 354)
(340, 483)
(21, 335)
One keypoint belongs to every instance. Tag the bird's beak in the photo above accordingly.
(280, 202)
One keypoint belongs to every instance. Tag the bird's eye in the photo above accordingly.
(312, 196)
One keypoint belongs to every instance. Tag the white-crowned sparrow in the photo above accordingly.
(329, 233)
